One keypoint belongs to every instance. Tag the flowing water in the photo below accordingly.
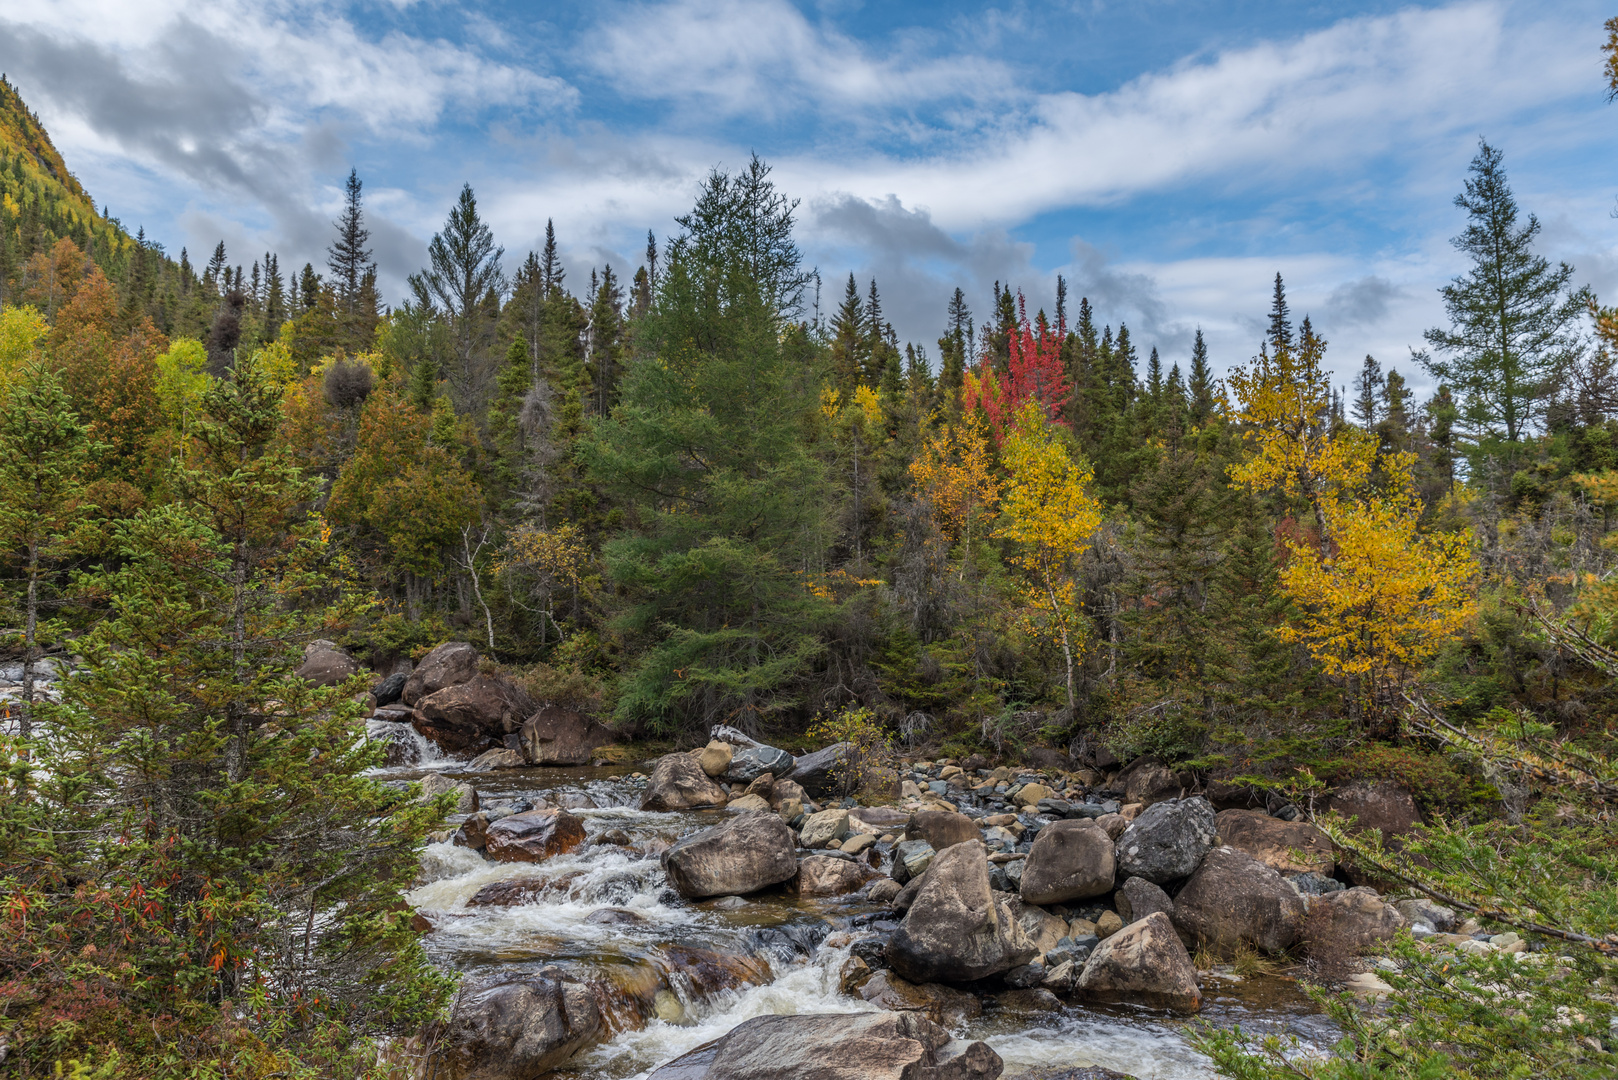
(607, 909)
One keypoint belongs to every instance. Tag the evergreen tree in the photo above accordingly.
(1200, 385)
(849, 342)
(606, 340)
(463, 271)
(309, 287)
(1369, 390)
(1280, 333)
(348, 257)
(551, 274)
(1513, 319)
(213, 276)
(952, 348)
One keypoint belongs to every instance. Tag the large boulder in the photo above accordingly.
(715, 757)
(823, 875)
(558, 736)
(863, 1046)
(472, 714)
(678, 783)
(747, 853)
(1233, 899)
(822, 828)
(519, 1029)
(324, 664)
(1290, 847)
(748, 765)
(942, 828)
(1043, 929)
(1167, 841)
(1070, 860)
(1144, 963)
(818, 773)
(1357, 920)
(956, 929)
(533, 836)
(390, 689)
(1384, 806)
(1139, 898)
(1149, 783)
(450, 664)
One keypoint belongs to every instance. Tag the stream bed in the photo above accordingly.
(607, 909)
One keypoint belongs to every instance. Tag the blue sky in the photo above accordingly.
(1167, 157)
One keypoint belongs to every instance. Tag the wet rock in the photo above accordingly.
(824, 827)
(1091, 1072)
(399, 744)
(746, 765)
(1290, 847)
(472, 714)
(1069, 860)
(1144, 962)
(883, 890)
(941, 829)
(818, 773)
(747, 853)
(911, 859)
(449, 664)
(1359, 919)
(678, 783)
(389, 690)
(1167, 840)
(707, 972)
(715, 758)
(324, 664)
(615, 916)
(519, 1029)
(559, 736)
(1139, 898)
(1025, 976)
(940, 1004)
(495, 759)
(474, 832)
(514, 892)
(1233, 899)
(869, 1046)
(819, 875)
(436, 784)
(534, 836)
(1035, 1000)
(956, 930)
(614, 838)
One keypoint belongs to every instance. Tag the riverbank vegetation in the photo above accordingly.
(719, 493)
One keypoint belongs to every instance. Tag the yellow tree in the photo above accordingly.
(955, 473)
(1377, 596)
(1050, 517)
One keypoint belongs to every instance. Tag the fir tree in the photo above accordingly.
(849, 342)
(952, 348)
(462, 275)
(551, 274)
(348, 257)
(1200, 386)
(1280, 332)
(1369, 390)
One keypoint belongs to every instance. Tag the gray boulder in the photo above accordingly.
(519, 1029)
(678, 783)
(740, 856)
(390, 689)
(324, 664)
(1233, 899)
(559, 736)
(865, 1046)
(817, 772)
(436, 784)
(1143, 963)
(1070, 860)
(1139, 898)
(748, 765)
(1167, 841)
(450, 664)
(957, 930)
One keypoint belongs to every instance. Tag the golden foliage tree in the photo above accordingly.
(955, 473)
(1050, 517)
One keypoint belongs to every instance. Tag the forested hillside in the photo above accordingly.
(687, 499)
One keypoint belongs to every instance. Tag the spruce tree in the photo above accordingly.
(1513, 318)
(1280, 332)
(348, 258)
(463, 272)
(1199, 387)
(1369, 390)
(952, 349)
(849, 342)
(606, 340)
(551, 274)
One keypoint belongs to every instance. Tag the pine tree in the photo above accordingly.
(309, 287)
(877, 352)
(44, 449)
(1200, 386)
(1369, 390)
(348, 258)
(849, 343)
(1513, 319)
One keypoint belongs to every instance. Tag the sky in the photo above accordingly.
(1167, 158)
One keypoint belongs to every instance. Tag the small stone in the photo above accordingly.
(1108, 925)
(857, 843)
(825, 826)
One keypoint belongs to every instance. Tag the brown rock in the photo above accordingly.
(754, 803)
(324, 664)
(558, 736)
(763, 784)
(1070, 860)
(941, 829)
(1153, 783)
(1227, 796)
(785, 791)
(678, 783)
(1144, 962)
(518, 1029)
(715, 757)
(474, 832)
(534, 836)
(824, 875)
(472, 714)
(1384, 806)
(514, 892)
(940, 1004)
(956, 929)
(1043, 929)
(449, 664)
(1233, 898)
(1360, 919)
(1043, 757)
(495, 759)
(747, 853)
(1290, 847)
(708, 972)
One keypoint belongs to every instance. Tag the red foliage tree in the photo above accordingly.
(1034, 373)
